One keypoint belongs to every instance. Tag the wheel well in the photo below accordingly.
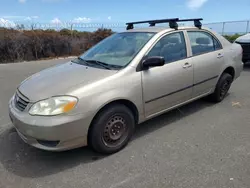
(230, 70)
(130, 105)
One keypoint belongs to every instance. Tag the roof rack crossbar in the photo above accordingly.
(172, 22)
(152, 23)
(197, 22)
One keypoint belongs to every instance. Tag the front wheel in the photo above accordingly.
(112, 129)
(222, 88)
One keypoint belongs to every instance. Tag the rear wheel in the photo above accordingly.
(112, 129)
(222, 88)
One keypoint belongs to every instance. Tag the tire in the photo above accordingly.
(112, 129)
(222, 88)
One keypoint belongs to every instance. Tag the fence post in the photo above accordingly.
(247, 26)
(223, 28)
(71, 38)
(71, 30)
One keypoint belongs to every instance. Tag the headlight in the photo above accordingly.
(53, 106)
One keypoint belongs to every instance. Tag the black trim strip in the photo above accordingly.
(169, 94)
(205, 80)
(181, 89)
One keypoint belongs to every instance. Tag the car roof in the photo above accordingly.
(160, 29)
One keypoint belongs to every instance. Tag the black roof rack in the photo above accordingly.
(197, 21)
(172, 22)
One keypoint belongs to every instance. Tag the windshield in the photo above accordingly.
(118, 49)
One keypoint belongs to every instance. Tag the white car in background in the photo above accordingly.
(244, 41)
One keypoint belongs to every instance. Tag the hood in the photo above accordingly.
(59, 79)
(244, 39)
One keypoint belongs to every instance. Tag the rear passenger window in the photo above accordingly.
(172, 47)
(202, 42)
(217, 45)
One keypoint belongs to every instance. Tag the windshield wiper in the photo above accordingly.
(104, 65)
(81, 60)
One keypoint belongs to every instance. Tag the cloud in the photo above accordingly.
(109, 18)
(52, 1)
(195, 4)
(56, 21)
(13, 17)
(29, 18)
(81, 20)
(6, 23)
(22, 1)
(20, 18)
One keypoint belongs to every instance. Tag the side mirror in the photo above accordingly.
(154, 61)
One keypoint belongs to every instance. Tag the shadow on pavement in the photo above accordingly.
(247, 67)
(170, 117)
(26, 161)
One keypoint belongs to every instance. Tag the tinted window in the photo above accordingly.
(217, 45)
(202, 42)
(172, 47)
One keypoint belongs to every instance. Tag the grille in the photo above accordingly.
(245, 46)
(21, 102)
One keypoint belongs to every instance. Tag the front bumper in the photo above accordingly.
(246, 50)
(246, 57)
(54, 133)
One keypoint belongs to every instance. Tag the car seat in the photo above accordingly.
(173, 49)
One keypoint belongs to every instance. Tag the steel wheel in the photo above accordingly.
(224, 88)
(111, 129)
(115, 131)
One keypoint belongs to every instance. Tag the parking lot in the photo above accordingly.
(198, 145)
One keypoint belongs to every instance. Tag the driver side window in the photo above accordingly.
(172, 47)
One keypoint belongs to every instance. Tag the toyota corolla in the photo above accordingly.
(126, 79)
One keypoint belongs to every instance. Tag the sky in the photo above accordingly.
(120, 11)
(55, 12)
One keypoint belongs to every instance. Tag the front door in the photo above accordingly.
(171, 84)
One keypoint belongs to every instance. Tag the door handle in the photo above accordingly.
(219, 56)
(187, 65)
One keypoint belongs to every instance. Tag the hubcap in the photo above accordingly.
(115, 131)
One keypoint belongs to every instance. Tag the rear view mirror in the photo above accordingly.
(154, 61)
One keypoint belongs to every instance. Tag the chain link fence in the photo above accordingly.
(224, 28)
(31, 41)
(231, 27)
(60, 26)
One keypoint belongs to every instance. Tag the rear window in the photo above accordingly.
(203, 42)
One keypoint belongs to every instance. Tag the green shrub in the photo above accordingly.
(232, 38)
(17, 45)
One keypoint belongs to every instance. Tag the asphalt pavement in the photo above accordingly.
(200, 145)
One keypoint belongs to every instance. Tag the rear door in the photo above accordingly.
(207, 59)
